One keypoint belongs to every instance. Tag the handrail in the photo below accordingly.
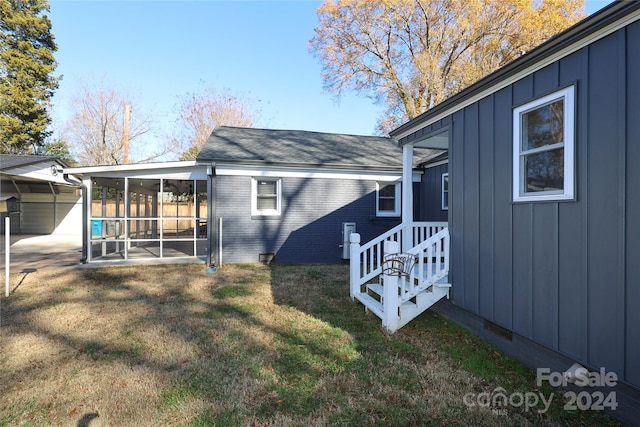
(432, 265)
(371, 253)
(366, 260)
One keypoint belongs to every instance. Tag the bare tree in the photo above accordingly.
(411, 54)
(96, 130)
(200, 113)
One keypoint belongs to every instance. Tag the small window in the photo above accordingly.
(388, 199)
(266, 195)
(543, 147)
(445, 191)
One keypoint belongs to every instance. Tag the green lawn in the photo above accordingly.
(250, 345)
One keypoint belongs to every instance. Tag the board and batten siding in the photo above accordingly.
(562, 274)
(309, 228)
(430, 195)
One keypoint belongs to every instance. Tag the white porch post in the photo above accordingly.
(407, 196)
(354, 264)
(88, 224)
(390, 317)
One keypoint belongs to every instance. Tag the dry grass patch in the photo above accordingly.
(248, 345)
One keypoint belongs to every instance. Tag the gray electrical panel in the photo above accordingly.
(347, 229)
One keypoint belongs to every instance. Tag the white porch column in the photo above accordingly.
(407, 196)
(354, 264)
(87, 202)
(390, 306)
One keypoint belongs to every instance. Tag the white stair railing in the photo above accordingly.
(366, 260)
(432, 265)
(410, 281)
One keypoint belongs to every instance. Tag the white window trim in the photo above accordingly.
(254, 198)
(396, 209)
(445, 207)
(519, 194)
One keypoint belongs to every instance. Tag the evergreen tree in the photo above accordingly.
(26, 81)
(58, 149)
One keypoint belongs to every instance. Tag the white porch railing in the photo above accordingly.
(408, 281)
(432, 265)
(366, 260)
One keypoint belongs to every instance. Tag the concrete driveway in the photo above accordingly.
(32, 253)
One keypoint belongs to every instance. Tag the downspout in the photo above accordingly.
(211, 216)
(55, 206)
(85, 213)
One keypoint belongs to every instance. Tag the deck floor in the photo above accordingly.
(170, 250)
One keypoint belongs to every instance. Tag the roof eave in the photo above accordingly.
(35, 162)
(132, 167)
(264, 163)
(568, 37)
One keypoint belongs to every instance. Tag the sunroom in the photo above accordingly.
(145, 212)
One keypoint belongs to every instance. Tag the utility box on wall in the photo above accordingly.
(9, 205)
(347, 229)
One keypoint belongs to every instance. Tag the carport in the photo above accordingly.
(42, 200)
(29, 253)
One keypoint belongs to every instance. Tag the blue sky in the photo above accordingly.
(159, 51)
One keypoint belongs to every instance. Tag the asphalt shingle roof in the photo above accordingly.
(10, 161)
(296, 147)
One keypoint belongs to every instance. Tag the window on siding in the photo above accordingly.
(266, 196)
(445, 191)
(543, 147)
(388, 199)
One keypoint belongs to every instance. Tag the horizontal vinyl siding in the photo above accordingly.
(309, 228)
(37, 217)
(68, 214)
(43, 213)
(563, 274)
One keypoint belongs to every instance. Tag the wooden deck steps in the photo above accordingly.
(398, 293)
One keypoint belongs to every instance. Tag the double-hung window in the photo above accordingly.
(388, 199)
(266, 196)
(543, 148)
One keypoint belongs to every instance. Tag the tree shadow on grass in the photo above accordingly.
(102, 337)
(26, 272)
(238, 360)
(86, 419)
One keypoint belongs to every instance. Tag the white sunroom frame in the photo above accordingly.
(162, 172)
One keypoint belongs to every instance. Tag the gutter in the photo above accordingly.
(336, 166)
(211, 217)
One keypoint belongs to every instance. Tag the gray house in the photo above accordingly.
(252, 195)
(295, 196)
(432, 195)
(543, 203)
